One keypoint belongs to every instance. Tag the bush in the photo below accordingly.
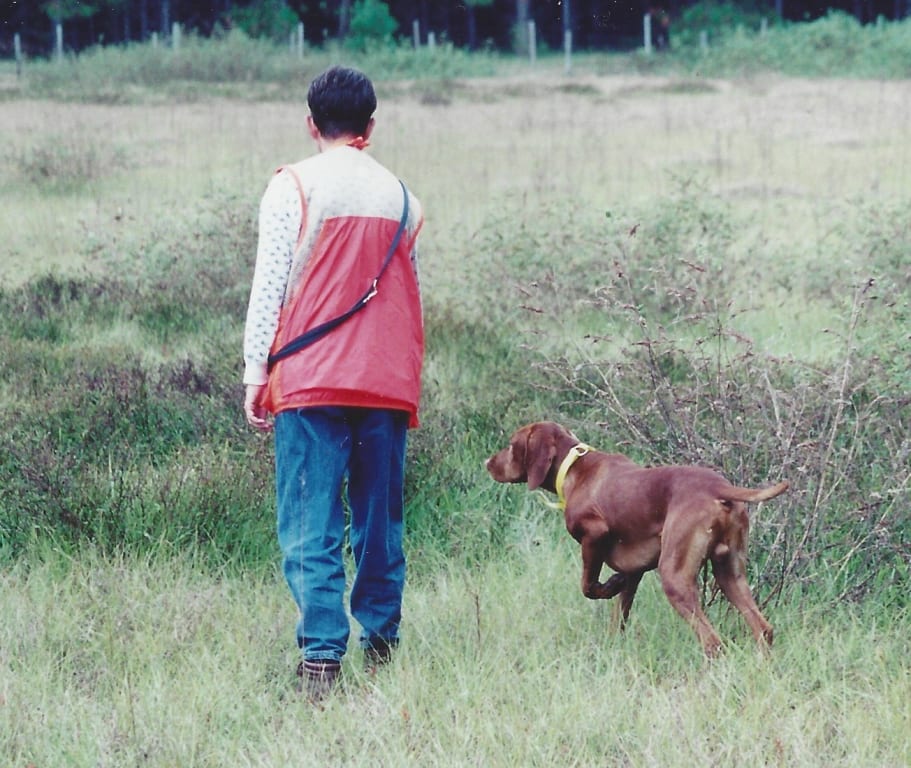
(841, 435)
(649, 357)
(718, 19)
(102, 430)
(65, 162)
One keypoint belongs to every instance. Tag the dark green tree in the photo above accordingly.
(371, 23)
(270, 18)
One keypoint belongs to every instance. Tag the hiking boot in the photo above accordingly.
(318, 678)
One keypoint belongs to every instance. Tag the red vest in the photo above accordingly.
(373, 359)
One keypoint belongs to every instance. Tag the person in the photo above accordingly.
(341, 407)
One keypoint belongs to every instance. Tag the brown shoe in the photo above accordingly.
(378, 654)
(318, 678)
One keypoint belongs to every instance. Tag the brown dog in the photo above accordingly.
(672, 518)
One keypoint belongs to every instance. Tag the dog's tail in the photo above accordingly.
(733, 493)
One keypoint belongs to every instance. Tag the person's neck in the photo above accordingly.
(341, 141)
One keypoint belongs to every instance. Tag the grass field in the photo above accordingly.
(731, 227)
(791, 160)
(153, 663)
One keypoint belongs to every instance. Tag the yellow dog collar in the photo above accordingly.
(576, 452)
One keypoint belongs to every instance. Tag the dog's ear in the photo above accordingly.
(540, 450)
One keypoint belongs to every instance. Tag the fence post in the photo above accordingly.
(175, 36)
(17, 45)
(532, 42)
(763, 26)
(300, 40)
(647, 32)
(416, 33)
(567, 51)
(58, 40)
(431, 40)
(155, 40)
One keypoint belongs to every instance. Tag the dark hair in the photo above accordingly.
(341, 102)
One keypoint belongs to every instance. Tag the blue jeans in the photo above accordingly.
(323, 455)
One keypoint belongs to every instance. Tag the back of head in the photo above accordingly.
(341, 101)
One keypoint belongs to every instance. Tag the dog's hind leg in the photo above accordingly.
(685, 599)
(678, 568)
(731, 577)
(729, 565)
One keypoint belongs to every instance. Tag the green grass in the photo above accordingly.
(138, 661)
(232, 66)
(834, 45)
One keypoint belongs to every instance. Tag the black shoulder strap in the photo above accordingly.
(308, 337)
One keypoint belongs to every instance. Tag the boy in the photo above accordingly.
(342, 404)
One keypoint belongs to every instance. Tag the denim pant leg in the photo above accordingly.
(376, 497)
(312, 447)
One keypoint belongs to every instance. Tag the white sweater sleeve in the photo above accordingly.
(279, 225)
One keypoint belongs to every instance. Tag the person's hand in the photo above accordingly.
(257, 416)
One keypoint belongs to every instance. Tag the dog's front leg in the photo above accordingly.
(592, 562)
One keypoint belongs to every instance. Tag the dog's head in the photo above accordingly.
(531, 454)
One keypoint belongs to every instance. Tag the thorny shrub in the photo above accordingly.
(636, 340)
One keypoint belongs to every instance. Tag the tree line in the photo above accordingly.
(595, 24)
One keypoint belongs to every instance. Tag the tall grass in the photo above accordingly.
(234, 65)
(147, 661)
(126, 451)
(836, 45)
